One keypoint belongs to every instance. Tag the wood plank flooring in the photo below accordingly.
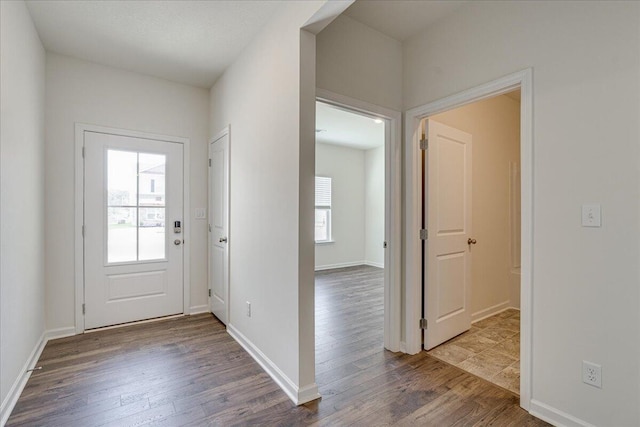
(189, 372)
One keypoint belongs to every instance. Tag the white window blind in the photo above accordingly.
(323, 192)
(323, 209)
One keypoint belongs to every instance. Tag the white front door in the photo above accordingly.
(133, 194)
(447, 255)
(219, 226)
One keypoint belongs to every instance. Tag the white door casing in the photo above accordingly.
(219, 226)
(133, 258)
(447, 255)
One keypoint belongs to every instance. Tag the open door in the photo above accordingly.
(447, 254)
(219, 227)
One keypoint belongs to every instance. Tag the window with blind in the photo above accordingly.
(323, 209)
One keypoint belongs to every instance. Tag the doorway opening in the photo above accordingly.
(472, 257)
(357, 304)
(414, 296)
(349, 235)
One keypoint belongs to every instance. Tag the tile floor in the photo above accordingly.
(490, 350)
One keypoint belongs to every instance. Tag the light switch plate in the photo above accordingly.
(591, 216)
(200, 213)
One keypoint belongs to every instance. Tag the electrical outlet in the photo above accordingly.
(248, 309)
(591, 374)
(591, 215)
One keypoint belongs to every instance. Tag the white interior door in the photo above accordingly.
(447, 256)
(133, 194)
(219, 227)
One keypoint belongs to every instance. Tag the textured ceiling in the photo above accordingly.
(341, 127)
(400, 19)
(191, 42)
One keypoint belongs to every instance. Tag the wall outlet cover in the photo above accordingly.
(592, 374)
(591, 215)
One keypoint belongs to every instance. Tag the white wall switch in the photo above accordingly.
(591, 216)
(201, 213)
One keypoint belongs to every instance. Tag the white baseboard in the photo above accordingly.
(555, 416)
(297, 395)
(308, 393)
(339, 265)
(53, 334)
(199, 309)
(21, 381)
(488, 312)
(374, 264)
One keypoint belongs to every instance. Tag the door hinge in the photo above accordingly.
(209, 292)
(209, 228)
(423, 323)
(424, 234)
(384, 245)
(209, 162)
(83, 231)
(83, 309)
(424, 143)
(83, 152)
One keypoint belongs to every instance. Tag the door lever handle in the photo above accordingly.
(223, 240)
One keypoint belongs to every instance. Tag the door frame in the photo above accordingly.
(80, 129)
(413, 262)
(393, 206)
(224, 132)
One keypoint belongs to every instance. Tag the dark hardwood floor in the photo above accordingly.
(189, 372)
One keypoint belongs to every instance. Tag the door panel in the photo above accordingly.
(450, 282)
(447, 256)
(133, 258)
(219, 227)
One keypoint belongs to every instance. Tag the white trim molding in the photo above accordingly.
(54, 334)
(339, 265)
(555, 416)
(15, 391)
(490, 311)
(393, 207)
(80, 129)
(374, 264)
(297, 395)
(413, 262)
(199, 309)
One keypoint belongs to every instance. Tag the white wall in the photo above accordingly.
(374, 206)
(85, 92)
(494, 125)
(267, 96)
(22, 79)
(345, 167)
(586, 92)
(360, 62)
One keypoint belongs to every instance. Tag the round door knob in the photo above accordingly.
(177, 242)
(223, 240)
(471, 241)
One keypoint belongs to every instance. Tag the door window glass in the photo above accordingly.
(135, 206)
